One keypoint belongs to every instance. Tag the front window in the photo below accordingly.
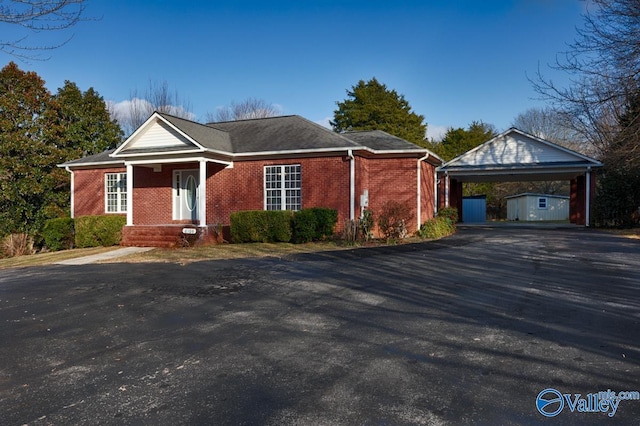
(115, 193)
(282, 188)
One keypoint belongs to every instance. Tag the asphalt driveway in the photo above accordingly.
(466, 330)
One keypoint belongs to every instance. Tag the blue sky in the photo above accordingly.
(454, 61)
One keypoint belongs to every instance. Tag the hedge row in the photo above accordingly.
(283, 226)
(84, 231)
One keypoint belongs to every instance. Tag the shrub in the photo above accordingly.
(449, 212)
(17, 245)
(438, 227)
(94, 231)
(326, 220)
(58, 233)
(360, 229)
(261, 226)
(304, 225)
(393, 219)
(313, 224)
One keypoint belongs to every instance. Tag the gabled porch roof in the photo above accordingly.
(518, 156)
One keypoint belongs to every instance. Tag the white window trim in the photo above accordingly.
(121, 193)
(283, 197)
(546, 203)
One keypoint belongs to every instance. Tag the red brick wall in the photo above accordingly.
(325, 183)
(89, 190)
(393, 179)
(152, 194)
(427, 191)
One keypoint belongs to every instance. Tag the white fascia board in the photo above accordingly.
(337, 150)
(160, 153)
(297, 151)
(176, 160)
(92, 164)
(510, 171)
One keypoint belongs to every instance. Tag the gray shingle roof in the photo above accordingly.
(381, 141)
(286, 133)
(265, 135)
(101, 158)
(206, 136)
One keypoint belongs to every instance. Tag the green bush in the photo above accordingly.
(304, 226)
(261, 226)
(58, 233)
(449, 212)
(94, 231)
(326, 220)
(438, 227)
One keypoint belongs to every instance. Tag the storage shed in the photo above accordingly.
(474, 209)
(537, 207)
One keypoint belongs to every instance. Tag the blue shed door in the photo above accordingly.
(474, 209)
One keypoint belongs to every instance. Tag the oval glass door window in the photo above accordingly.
(190, 189)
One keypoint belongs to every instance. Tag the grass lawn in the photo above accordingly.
(51, 257)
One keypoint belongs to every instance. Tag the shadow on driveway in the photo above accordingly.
(465, 330)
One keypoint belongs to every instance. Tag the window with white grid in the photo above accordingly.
(115, 192)
(282, 188)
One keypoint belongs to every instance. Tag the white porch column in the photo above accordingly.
(129, 195)
(202, 194)
(446, 189)
(587, 201)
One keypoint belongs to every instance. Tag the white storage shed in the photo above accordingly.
(537, 207)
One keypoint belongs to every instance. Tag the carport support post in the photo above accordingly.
(446, 189)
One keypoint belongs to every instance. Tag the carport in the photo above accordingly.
(516, 156)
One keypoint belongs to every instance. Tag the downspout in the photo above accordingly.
(419, 191)
(352, 184)
(67, 168)
(435, 192)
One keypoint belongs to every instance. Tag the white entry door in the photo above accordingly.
(185, 195)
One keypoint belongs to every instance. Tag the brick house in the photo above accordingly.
(173, 173)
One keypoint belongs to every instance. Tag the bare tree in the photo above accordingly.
(551, 125)
(604, 65)
(132, 113)
(247, 109)
(36, 16)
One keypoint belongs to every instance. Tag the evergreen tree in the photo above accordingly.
(37, 132)
(85, 122)
(371, 106)
(25, 159)
(458, 141)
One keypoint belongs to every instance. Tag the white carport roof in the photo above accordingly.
(518, 156)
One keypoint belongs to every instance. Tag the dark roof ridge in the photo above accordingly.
(213, 123)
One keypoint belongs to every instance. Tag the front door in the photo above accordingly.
(185, 195)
